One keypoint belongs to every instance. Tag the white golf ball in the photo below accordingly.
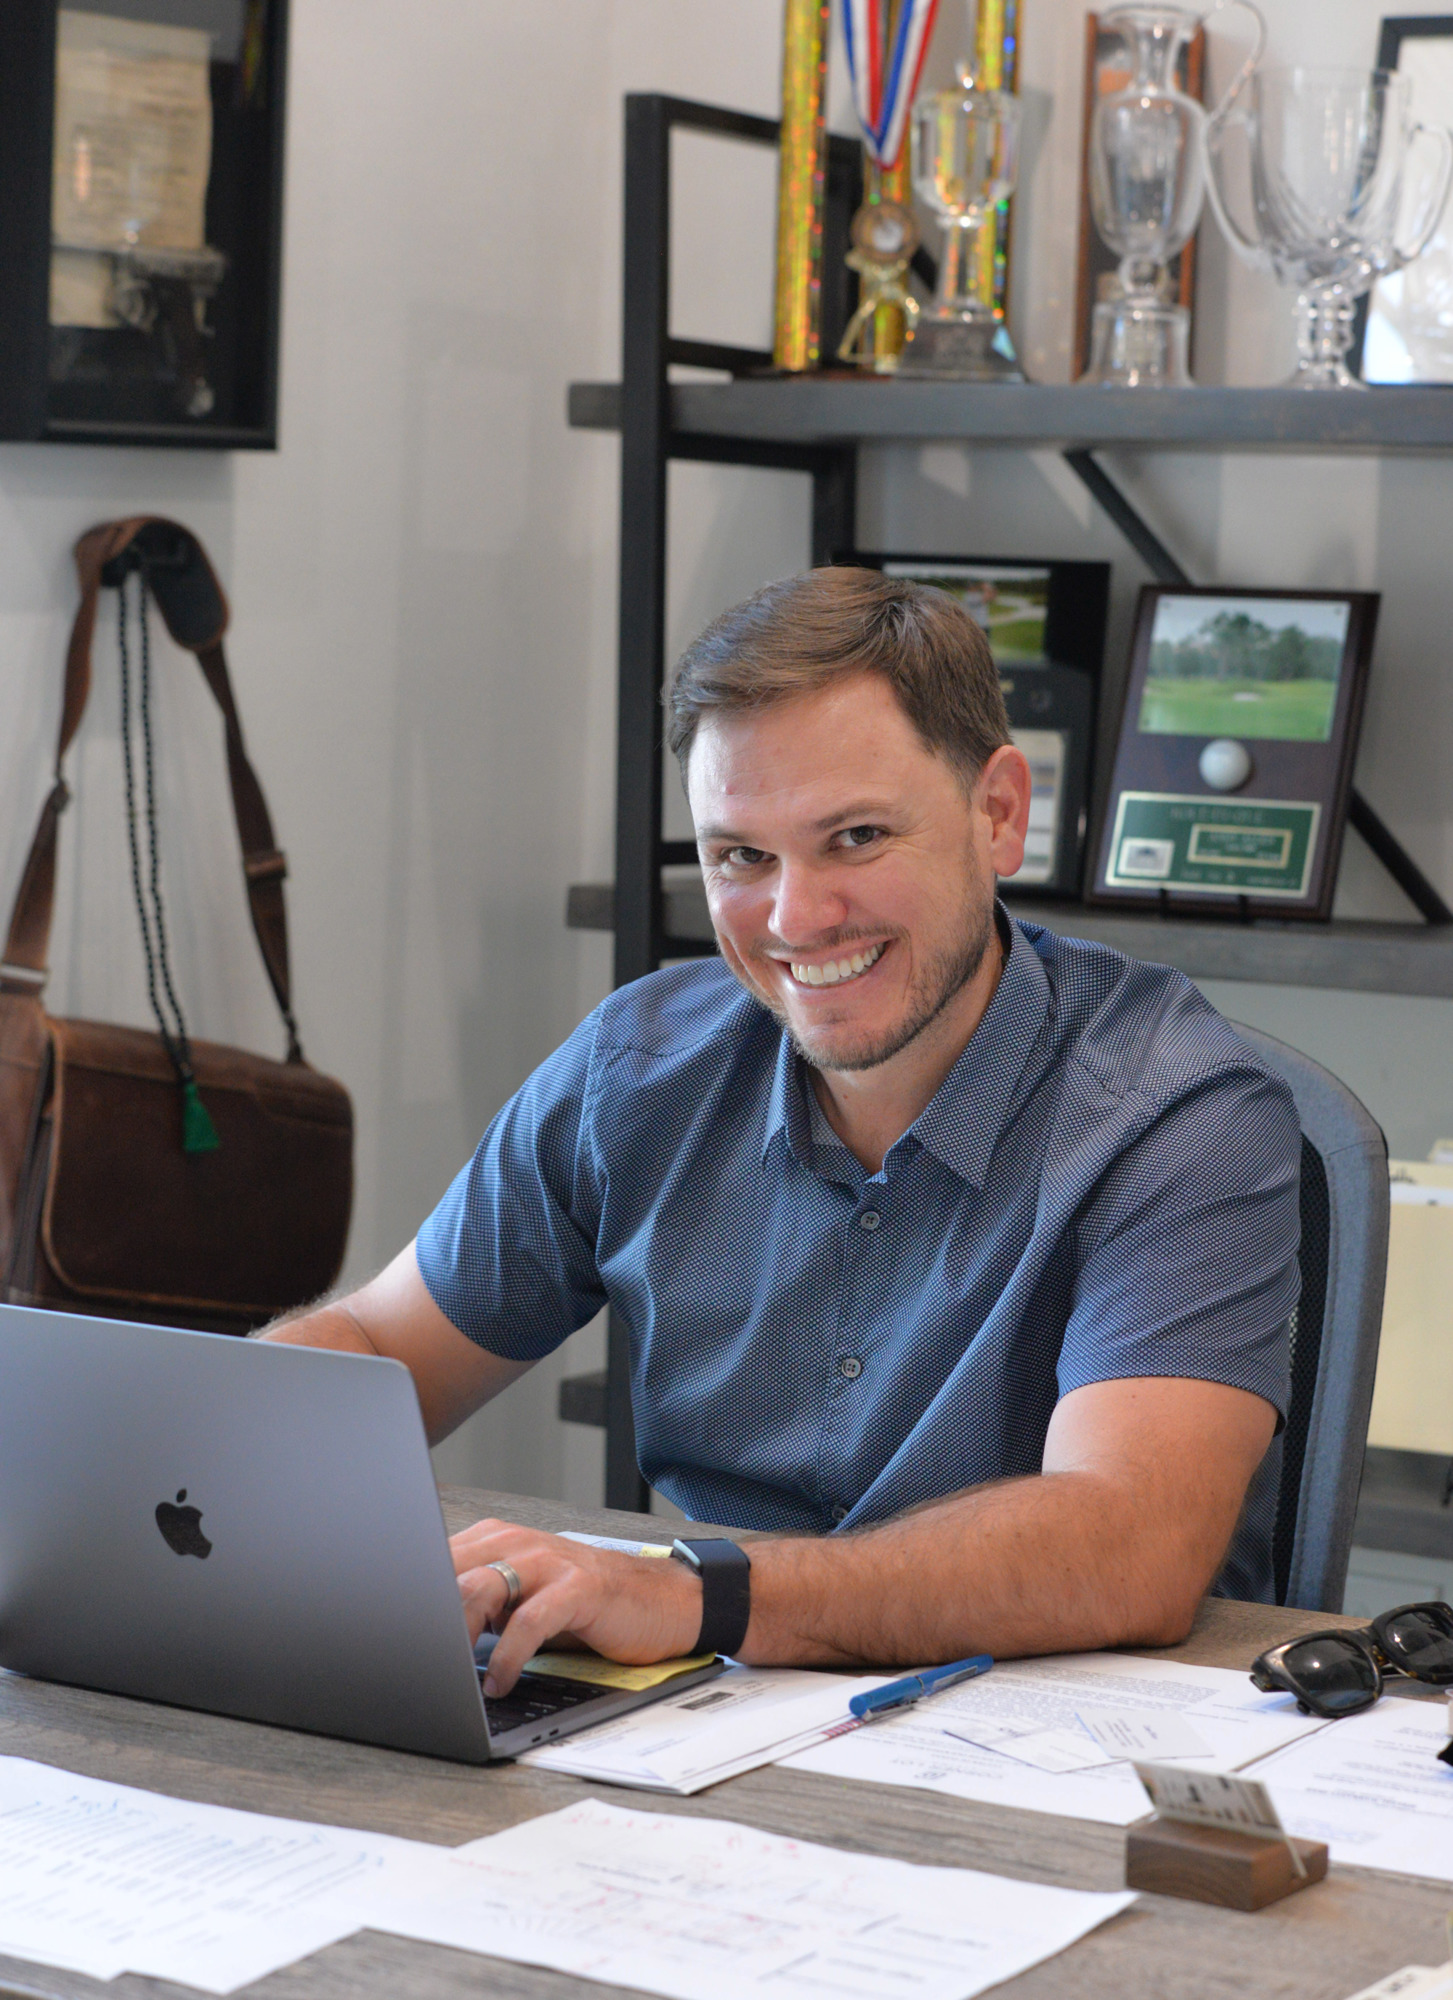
(1225, 764)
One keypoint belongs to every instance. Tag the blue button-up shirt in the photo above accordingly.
(1104, 1186)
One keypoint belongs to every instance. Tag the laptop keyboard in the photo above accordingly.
(535, 1697)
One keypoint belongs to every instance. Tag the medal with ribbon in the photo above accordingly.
(887, 41)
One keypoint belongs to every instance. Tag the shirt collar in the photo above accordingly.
(961, 1123)
(787, 1106)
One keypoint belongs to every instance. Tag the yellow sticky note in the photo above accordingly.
(609, 1673)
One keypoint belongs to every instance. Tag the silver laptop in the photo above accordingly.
(250, 1529)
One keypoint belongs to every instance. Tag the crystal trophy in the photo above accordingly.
(965, 162)
(1147, 183)
(1329, 156)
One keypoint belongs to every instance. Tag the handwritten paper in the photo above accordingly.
(698, 1908)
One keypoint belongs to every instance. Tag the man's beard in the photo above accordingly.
(942, 979)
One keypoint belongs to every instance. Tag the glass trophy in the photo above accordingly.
(965, 162)
(1146, 189)
(1329, 156)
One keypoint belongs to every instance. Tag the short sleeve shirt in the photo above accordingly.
(1104, 1186)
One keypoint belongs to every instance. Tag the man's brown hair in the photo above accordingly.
(801, 635)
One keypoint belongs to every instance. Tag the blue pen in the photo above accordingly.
(903, 1694)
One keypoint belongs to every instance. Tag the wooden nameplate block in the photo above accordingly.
(1216, 1838)
(1218, 1864)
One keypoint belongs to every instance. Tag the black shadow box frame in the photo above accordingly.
(1058, 695)
(117, 395)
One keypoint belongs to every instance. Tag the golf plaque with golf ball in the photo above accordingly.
(1235, 752)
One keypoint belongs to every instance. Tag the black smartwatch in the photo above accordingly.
(726, 1592)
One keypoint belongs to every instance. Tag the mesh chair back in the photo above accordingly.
(1334, 1331)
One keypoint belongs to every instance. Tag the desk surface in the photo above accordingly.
(1322, 1945)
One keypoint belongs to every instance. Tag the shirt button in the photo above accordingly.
(869, 1219)
(851, 1367)
(840, 1513)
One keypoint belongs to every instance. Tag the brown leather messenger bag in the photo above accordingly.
(144, 1175)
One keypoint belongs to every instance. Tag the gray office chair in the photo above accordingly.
(1335, 1329)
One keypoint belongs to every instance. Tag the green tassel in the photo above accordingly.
(199, 1134)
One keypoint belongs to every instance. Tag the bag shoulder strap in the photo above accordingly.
(175, 568)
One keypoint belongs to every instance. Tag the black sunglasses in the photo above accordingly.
(1337, 1673)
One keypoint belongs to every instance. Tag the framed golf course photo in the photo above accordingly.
(1234, 758)
(1045, 623)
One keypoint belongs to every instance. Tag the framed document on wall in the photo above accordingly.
(1045, 623)
(141, 188)
(1235, 752)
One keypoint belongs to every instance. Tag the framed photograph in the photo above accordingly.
(1108, 68)
(1236, 744)
(1045, 623)
(1405, 331)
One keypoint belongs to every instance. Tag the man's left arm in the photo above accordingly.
(1114, 1543)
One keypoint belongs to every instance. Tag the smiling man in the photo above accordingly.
(957, 1256)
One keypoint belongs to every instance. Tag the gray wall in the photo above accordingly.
(423, 576)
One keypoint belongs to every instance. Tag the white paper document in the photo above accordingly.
(1145, 1732)
(746, 1717)
(1068, 1749)
(1413, 1982)
(1372, 1787)
(962, 1742)
(698, 1908)
(104, 1879)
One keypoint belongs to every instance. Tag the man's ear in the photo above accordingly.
(1002, 795)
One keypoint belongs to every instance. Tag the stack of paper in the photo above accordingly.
(746, 1717)
(102, 1879)
(698, 1908)
(1055, 1735)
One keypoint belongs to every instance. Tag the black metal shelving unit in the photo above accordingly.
(816, 425)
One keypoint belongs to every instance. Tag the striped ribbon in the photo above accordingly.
(887, 41)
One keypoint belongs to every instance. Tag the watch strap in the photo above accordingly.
(725, 1570)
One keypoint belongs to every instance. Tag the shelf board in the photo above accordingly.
(1347, 956)
(833, 410)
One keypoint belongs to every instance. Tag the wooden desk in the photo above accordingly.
(1321, 1945)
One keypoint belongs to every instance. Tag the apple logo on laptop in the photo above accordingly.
(181, 1528)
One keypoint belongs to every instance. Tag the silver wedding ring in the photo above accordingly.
(512, 1583)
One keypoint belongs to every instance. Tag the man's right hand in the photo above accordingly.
(394, 1315)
